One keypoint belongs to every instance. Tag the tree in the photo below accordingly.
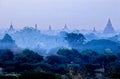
(74, 39)
(90, 68)
(7, 55)
(113, 70)
(89, 56)
(56, 59)
(27, 60)
(71, 54)
(105, 59)
(38, 75)
(28, 56)
(7, 60)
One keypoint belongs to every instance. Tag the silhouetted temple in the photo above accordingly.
(109, 28)
(65, 28)
(7, 42)
(11, 28)
(50, 28)
(36, 26)
(94, 29)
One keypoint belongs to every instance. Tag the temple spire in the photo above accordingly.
(109, 28)
(11, 27)
(65, 28)
(36, 26)
(94, 29)
(109, 22)
(50, 28)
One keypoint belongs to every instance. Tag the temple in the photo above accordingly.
(109, 28)
(65, 28)
(94, 29)
(36, 26)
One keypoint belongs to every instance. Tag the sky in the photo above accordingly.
(77, 14)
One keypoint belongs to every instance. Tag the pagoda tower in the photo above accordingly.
(36, 26)
(11, 29)
(50, 28)
(109, 28)
(94, 29)
(65, 28)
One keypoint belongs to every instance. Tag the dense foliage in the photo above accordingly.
(74, 39)
(66, 63)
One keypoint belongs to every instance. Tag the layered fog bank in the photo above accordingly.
(49, 41)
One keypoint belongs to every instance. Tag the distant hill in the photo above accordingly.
(115, 38)
(91, 36)
(101, 45)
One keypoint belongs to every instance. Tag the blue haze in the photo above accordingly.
(80, 14)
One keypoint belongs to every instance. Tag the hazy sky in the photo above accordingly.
(80, 14)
